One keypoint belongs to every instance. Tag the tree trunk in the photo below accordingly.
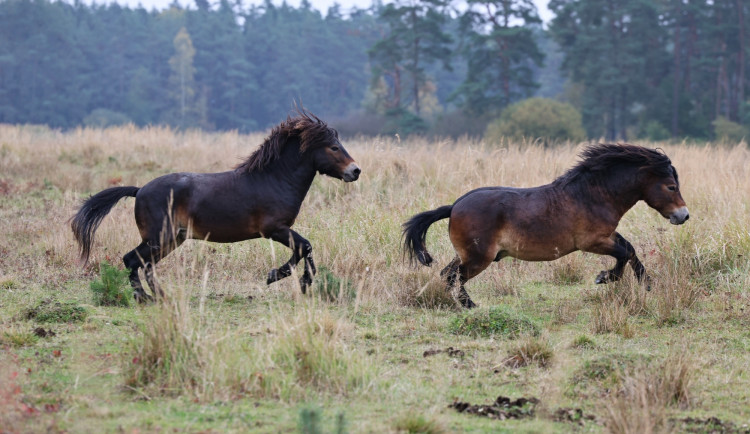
(676, 83)
(741, 62)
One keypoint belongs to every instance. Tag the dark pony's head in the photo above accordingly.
(315, 138)
(660, 184)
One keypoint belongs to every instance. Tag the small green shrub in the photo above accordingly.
(497, 320)
(537, 118)
(113, 288)
(48, 311)
(333, 288)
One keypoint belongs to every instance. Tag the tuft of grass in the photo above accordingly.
(495, 321)
(18, 338)
(569, 270)
(418, 424)
(530, 350)
(615, 304)
(333, 288)
(584, 341)
(645, 395)
(308, 354)
(113, 287)
(7, 282)
(49, 311)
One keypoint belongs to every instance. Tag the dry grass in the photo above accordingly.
(224, 336)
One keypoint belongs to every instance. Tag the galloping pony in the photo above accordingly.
(580, 210)
(259, 198)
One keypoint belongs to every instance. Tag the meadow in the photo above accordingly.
(377, 345)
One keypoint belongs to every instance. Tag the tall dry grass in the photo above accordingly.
(355, 228)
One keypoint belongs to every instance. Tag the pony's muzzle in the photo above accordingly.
(679, 216)
(351, 173)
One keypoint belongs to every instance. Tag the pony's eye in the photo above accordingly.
(672, 188)
(334, 148)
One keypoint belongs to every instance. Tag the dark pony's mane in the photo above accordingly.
(599, 161)
(308, 128)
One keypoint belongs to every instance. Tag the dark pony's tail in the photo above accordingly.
(92, 212)
(415, 233)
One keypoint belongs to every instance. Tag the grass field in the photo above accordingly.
(368, 350)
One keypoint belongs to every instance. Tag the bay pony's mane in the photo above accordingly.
(600, 161)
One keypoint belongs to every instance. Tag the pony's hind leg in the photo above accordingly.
(133, 261)
(454, 273)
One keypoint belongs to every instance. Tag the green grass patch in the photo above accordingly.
(495, 321)
(113, 287)
(51, 311)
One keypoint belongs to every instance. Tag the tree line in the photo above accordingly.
(657, 69)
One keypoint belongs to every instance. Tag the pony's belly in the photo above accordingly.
(538, 255)
(530, 249)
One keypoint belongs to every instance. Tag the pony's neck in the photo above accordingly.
(292, 171)
(622, 189)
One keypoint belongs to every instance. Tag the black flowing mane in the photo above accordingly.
(598, 162)
(311, 131)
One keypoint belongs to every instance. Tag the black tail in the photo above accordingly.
(92, 212)
(415, 233)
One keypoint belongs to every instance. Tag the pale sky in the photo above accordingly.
(321, 5)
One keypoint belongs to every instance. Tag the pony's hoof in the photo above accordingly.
(468, 303)
(304, 282)
(143, 298)
(273, 276)
(603, 277)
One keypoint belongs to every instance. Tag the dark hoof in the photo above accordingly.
(304, 282)
(143, 298)
(468, 303)
(603, 277)
(273, 276)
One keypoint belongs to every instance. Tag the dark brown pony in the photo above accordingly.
(580, 210)
(260, 198)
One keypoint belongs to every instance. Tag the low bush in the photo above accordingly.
(536, 118)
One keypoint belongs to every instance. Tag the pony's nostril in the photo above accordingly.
(357, 171)
(687, 217)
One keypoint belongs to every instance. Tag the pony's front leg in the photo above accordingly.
(301, 248)
(623, 252)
